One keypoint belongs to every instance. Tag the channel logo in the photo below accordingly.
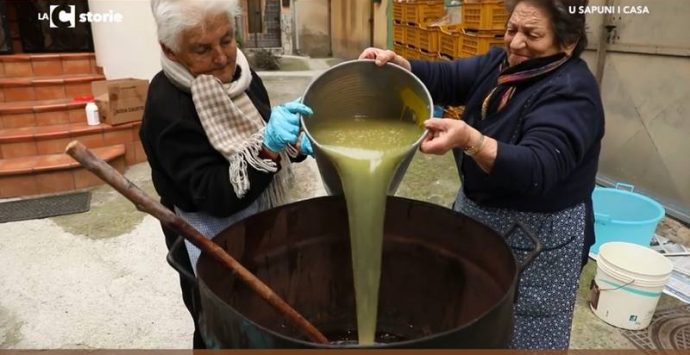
(65, 16)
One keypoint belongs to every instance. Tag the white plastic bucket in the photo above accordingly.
(628, 283)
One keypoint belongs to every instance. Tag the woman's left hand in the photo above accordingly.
(284, 125)
(444, 135)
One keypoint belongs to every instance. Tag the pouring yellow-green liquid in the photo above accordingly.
(365, 152)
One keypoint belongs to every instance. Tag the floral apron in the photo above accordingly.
(548, 286)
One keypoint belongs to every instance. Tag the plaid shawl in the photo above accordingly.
(234, 127)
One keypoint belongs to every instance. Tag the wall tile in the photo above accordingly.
(56, 181)
(76, 65)
(48, 67)
(17, 120)
(21, 69)
(21, 93)
(20, 149)
(77, 89)
(52, 146)
(48, 118)
(14, 186)
(77, 115)
(50, 91)
(84, 178)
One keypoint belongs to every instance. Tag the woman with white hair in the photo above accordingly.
(217, 150)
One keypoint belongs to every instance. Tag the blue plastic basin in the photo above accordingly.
(624, 216)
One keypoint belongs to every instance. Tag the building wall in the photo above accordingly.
(129, 48)
(286, 26)
(350, 27)
(381, 23)
(644, 85)
(312, 26)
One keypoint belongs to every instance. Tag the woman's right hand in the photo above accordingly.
(444, 135)
(383, 56)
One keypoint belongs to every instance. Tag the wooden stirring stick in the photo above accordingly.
(146, 204)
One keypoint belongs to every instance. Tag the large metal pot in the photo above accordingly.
(447, 281)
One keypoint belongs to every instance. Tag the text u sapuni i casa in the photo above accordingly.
(613, 9)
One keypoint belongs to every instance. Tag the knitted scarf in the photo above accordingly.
(511, 77)
(234, 127)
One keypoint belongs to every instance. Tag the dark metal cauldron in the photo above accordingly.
(447, 281)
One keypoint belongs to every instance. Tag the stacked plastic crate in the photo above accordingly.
(412, 37)
(483, 25)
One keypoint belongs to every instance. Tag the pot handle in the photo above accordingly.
(538, 246)
(175, 250)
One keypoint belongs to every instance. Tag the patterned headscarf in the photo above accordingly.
(511, 76)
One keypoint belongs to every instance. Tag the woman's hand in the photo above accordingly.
(304, 146)
(383, 56)
(444, 135)
(283, 126)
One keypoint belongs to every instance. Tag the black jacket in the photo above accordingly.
(187, 171)
(549, 134)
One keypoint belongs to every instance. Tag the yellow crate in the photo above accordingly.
(412, 36)
(426, 55)
(420, 12)
(399, 33)
(453, 111)
(399, 49)
(450, 41)
(475, 43)
(485, 15)
(411, 53)
(444, 58)
(429, 38)
(404, 52)
(398, 12)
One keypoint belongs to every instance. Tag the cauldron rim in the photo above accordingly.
(404, 343)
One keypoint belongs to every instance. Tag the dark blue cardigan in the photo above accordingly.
(549, 134)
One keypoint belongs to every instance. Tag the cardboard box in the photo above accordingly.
(120, 101)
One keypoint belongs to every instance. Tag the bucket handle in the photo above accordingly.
(174, 250)
(616, 288)
(625, 187)
(538, 246)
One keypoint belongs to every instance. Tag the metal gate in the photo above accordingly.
(643, 61)
(263, 25)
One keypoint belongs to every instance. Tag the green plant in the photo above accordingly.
(265, 59)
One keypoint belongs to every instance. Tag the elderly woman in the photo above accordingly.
(530, 136)
(217, 150)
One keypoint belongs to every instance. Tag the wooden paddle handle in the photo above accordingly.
(147, 204)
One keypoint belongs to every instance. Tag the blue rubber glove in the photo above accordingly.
(305, 147)
(283, 125)
(438, 111)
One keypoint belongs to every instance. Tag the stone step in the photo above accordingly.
(41, 140)
(44, 174)
(52, 64)
(46, 88)
(41, 113)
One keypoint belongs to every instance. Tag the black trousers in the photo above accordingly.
(190, 292)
